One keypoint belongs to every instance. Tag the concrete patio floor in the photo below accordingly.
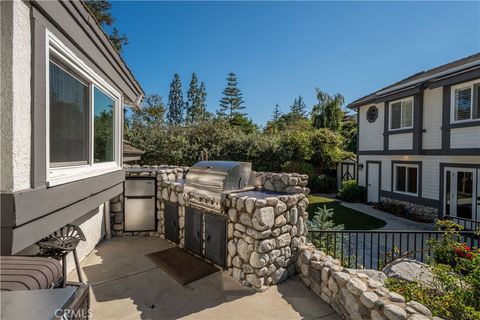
(127, 285)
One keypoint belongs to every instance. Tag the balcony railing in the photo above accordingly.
(374, 249)
(467, 224)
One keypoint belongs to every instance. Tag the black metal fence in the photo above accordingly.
(467, 224)
(373, 249)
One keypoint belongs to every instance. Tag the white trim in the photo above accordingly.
(464, 85)
(390, 113)
(406, 165)
(61, 175)
(454, 192)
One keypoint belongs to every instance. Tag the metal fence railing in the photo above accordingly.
(467, 224)
(373, 249)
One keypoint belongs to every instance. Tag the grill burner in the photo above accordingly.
(208, 182)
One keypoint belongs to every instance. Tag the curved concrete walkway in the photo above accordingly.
(127, 285)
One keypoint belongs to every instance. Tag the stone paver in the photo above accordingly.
(126, 285)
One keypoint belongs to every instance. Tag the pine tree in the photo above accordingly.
(298, 109)
(232, 102)
(192, 99)
(202, 102)
(276, 113)
(328, 112)
(176, 105)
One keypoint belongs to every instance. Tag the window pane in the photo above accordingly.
(407, 114)
(464, 194)
(68, 119)
(103, 135)
(396, 115)
(400, 178)
(462, 104)
(412, 180)
(476, 102)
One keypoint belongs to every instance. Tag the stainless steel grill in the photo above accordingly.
(208, 182)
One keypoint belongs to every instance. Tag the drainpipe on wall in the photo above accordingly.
(106, 214)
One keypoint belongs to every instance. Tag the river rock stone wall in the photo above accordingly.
(352, 293)
(263, 237)
(282, 182)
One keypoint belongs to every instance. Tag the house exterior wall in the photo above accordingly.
(400, 141)
(433, 143)
(432, 119)
(31, 207)
(15, 96)
(464, 138)
(371, 134)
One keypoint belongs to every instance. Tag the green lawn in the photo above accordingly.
(351, 219)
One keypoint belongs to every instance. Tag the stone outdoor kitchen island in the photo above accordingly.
(264, 225)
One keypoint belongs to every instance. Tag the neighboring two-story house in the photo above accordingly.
(419, 141)
(63, 90)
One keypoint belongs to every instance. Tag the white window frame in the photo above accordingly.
(460, 86)
(61, 175)
(390, 113)
(406, 165)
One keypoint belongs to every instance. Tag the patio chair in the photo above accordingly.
(60, 243)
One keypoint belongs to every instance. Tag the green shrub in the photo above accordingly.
(351, 192)
(456, 278)
(299, 167)
(323, 183)
(390, 207)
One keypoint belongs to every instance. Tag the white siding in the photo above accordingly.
(15, 98)
(430, 170)
(432, 118)
(402, 141)
(465, 138)
(371, 134)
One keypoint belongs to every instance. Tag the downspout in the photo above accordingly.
(106, 215)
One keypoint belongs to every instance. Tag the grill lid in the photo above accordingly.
(220, 176)
(207, 182)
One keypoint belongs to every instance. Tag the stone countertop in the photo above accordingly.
(260, 194)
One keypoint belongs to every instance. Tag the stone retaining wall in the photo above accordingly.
(352, 293)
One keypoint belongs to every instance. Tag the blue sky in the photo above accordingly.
(280, 50)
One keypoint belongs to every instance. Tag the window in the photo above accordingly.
(401, 114)
(84, 122)
(406, 178)
(466, 102)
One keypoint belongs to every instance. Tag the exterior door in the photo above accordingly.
(462, 193)
(373, 181)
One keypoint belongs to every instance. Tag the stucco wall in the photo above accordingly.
(15, 95)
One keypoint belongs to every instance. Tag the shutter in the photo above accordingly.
(463, 98)
(476, 102)
(407, 114)
(396, 116)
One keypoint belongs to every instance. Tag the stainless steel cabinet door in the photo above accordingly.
(139, 187)
(139, 214)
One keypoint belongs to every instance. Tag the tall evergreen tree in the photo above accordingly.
(202, 102)
(232, 102)
(328, 112)
(298, 109)
(196, 105)
(100, 9)
(276, 113)
(176, 105)
(192, 99)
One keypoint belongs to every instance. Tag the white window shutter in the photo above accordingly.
(407, 114)
(463, 99)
